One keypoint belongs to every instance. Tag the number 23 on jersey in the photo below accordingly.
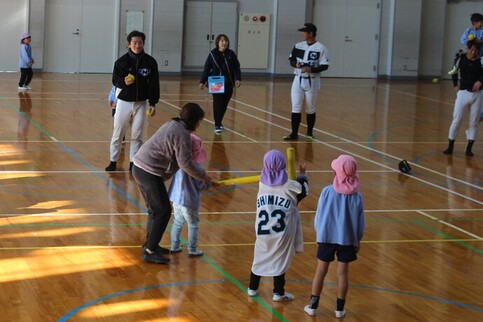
(268, 222)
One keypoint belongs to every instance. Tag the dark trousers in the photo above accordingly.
(278, 283)
(156, 197)
(25, 76)
(220, 104)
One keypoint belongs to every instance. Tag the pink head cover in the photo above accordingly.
(346, 180)
(199, 153)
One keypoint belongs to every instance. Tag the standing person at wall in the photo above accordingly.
(222, 61)
(136, 78)
(168, 150)
(25, 62)
(309, 58)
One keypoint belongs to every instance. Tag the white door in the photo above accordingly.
(225, 21)
(62, 36)
(198, 37)
(350, 31)
(98, 36)
(203, 22)
(79, 36)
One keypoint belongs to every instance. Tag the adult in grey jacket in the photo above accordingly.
(168, 150)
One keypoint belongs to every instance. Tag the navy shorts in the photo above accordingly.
(345, 254)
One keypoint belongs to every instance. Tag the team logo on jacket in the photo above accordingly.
(144, 71)
(313, 55)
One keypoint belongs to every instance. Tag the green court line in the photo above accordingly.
(31, 120)
(243, 288)
(223, 272)
(208, 223)
(216, 267)
(394, 241)
(447, 236)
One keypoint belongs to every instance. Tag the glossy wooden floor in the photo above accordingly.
(71, 233)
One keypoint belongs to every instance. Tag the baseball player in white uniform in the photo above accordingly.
(309, 58)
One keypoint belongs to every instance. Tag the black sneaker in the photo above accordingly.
(111, 166)
(159, 250)
(291, 137)
(155, 258)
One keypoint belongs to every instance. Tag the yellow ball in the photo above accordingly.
(435, 80)
(471, 37)
(131, 77)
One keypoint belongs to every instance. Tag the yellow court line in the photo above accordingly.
(242, 244)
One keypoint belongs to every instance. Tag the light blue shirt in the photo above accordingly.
(339, 218)
(26, 59)
(112, 95)
(470, 31)
(185, 190)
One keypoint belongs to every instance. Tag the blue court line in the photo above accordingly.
(122, 192)
(87, 165)
(428, 297)
(72, 153)
(121, 293)
(174, 284)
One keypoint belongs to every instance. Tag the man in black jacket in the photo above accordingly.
(136, 78)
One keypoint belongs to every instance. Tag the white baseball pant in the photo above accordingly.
(126, 113)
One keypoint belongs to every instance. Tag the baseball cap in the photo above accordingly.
(308, 27)
(24, 35)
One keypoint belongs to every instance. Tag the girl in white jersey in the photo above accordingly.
(278, 227)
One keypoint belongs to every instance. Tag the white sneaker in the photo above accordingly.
(309, 310)
(252, 292)
(28, 87)
(282, 298)
(22, 88)
(339, 314)
(196, 253)
(453, 70)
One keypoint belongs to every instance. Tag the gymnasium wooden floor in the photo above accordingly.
(71, 233)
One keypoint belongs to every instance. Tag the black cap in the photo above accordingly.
(404, 167)
(308, 27)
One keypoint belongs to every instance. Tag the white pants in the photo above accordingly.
(127, 112)
(472, 101)
(307, 88)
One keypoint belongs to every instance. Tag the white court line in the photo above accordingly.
(450, 225)
(230, 142)
(239, 213)
(354, 154)
(237, 133)
(58, 171)
(357, 144)
(75, 214)
(210, 171)
(414, 95)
